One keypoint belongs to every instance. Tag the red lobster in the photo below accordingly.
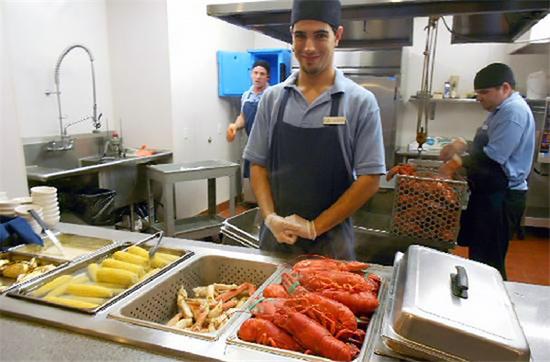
(313, 336)
(265, 332)
(360, 302)
(330, 264)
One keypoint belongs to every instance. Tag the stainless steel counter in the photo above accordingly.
(21, 339)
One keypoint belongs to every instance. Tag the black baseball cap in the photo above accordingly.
(494, 75)
(327, 11)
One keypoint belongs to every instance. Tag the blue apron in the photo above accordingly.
(483, 225)
(307, 175)
(249, 111)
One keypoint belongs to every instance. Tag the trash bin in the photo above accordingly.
(96, 206)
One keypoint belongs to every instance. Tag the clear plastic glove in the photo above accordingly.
(231, 132)
(454, 148)
(449, 168)
(306, 228)
(283, 230)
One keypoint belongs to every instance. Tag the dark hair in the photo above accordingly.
(263, 64)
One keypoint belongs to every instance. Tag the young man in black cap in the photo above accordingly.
(498, 164)
(316, 147)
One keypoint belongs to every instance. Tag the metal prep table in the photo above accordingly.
(170, 174)
(49, 342)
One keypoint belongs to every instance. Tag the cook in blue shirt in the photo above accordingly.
(249, 105)
(316, 146)
(499, 162)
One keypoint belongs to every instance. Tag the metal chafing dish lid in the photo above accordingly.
(457, 306)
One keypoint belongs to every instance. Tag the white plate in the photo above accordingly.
(23, 210)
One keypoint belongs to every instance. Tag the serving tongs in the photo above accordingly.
(154, 249)
(48, 232)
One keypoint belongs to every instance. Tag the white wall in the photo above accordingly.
(198, 114)
(13, 179)
(139, 59)
(463, 60)
(36, 34)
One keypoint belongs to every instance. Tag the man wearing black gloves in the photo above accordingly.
(497, 167)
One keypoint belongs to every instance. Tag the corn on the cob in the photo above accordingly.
(89, 290)
(70, 302)
(149, 273)
(159, 262)
(64, 279)
(136, 250)
(115, 288)
(131, 258)
(167, 256)
(116, 276)
(92, 271)
(93, 300)
(117, 264)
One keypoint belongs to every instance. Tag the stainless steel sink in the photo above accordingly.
(105, 160)
(86, 157)
(87, 162)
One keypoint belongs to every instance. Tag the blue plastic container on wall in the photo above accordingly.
(234, 69)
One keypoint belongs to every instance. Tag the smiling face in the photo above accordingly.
(491, 98)
(314, 42)
(259, 77)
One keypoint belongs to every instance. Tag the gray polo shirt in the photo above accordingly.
(360, 138)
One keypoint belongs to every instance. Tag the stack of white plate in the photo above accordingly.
(23, 211)
(7, 207)
(46, 197)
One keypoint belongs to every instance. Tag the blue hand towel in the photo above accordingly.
(22, 232)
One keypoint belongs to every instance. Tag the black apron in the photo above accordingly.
(307, 175)
(249, 111)
(483, 226)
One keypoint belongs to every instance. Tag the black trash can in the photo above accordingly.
(95, 206)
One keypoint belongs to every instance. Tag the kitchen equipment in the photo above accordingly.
(158, 305)
(444, 307)
(366, 348)
(83, 269)
(76, 247)
(48, 232)
(154, 249)
(427, 207)
(37, 266)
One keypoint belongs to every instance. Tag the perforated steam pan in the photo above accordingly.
(155, 307)
(368, 343)
(81, 267)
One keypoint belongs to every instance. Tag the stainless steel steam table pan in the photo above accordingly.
(81, 268)
(154, 307)
(366, 349)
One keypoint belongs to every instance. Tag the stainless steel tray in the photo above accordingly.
(81, 267)
(366, 348)
(155, 307)
(11, 283)
(83, 245)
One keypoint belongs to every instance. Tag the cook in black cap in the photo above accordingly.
(499, 161)
(318, 21)
(316, 147)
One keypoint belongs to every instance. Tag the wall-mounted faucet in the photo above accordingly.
(66, 142)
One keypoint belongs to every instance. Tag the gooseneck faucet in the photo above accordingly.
(66, 142)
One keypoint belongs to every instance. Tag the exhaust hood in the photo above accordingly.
(387, 24)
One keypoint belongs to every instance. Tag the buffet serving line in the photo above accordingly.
(126, 320)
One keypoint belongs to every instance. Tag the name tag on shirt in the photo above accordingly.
(329, 121)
